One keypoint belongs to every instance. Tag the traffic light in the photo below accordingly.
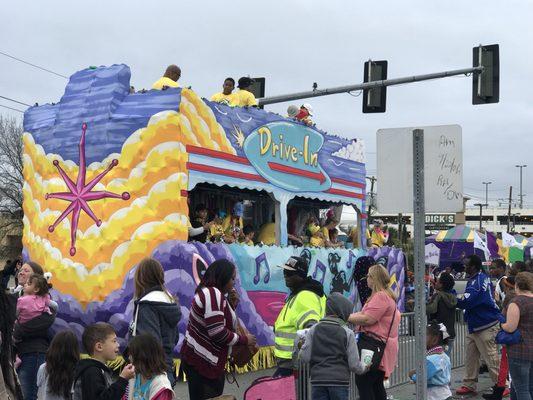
(374, 100)
(486, 84)
(258, 88)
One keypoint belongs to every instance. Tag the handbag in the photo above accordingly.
(503, 337)
(371, 341)
(242, 354)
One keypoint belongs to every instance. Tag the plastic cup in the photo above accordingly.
(366, 357)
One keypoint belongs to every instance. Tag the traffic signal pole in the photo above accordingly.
(368, 85)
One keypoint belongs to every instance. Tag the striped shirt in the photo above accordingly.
(210, 333)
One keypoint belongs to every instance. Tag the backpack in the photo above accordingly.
(76, 391)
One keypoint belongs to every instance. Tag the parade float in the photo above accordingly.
(110, 176)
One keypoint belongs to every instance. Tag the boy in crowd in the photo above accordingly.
(331, 349)
(441, 307)
(93, 379)
(249, 234)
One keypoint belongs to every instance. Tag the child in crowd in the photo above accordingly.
(36, 299)
(56, 376)
(93, 379)
(150, 381)
(441, 307)
(331, 349)
(249, 234)
(316, 238)
(216, 232)
(438, 365)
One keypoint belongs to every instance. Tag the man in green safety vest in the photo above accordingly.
(304, 307)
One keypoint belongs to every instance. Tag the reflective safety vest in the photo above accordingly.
(296, 313)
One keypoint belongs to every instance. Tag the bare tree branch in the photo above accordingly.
(11, 181)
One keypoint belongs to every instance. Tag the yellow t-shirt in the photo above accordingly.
(216, 232)
(164, 81)
(243, 98)
(228, 226)
(325, 233)
(378, 239)
(315, 240)
(267, 234)
(222, 98)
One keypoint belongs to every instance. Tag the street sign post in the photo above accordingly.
(419, 170)
(419, 260)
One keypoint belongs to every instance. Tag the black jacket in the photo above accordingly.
(94, 381)
(441, 308)
(158, 315)
(33, 336)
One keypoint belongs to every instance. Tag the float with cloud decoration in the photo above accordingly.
(110, 176)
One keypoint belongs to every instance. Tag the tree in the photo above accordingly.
(11, 181)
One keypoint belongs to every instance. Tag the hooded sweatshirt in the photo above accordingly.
(441, 308)
(158, 314)
(93, 380)
(330, 346)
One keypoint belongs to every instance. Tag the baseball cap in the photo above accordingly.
(309, 108)
(296, 264)
(238, 209)
(222, 214)
(292, 111)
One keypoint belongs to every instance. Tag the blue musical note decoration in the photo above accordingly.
(260, 260)
(320, 266)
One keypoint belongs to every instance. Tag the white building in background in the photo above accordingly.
(495, 219)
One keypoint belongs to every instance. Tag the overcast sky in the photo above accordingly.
(296, 43)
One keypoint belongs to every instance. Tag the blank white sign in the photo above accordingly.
(443, 169)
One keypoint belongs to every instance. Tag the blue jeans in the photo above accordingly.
(27, 373)
(521, 379)
(329, 392)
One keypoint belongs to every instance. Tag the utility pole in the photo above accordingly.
(480, 205)
(372, 180)
(400, 228)
(509, 211)
(521, 196)
(487, 192)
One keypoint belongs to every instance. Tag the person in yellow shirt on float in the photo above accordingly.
(233, 224)
(243, 98)
(224, 97)
(170, 79)
(379, 236)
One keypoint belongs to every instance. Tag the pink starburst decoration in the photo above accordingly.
(80, 194)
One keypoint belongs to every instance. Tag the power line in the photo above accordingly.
(15, 101)
(11, 108)
(33, 65)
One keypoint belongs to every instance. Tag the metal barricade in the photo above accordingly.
(406, 356)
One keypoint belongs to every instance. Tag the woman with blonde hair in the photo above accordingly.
(378, 321)
(156, 311)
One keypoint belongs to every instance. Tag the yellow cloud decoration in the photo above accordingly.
(151, 167)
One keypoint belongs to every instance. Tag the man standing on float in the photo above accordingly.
(304, 307)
